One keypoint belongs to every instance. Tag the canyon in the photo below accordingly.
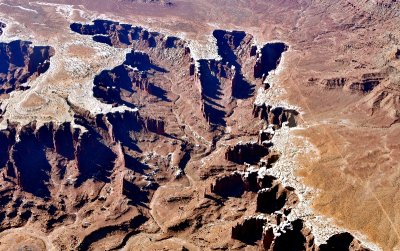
(190, 125)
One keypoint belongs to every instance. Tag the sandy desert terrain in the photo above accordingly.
(199, 125)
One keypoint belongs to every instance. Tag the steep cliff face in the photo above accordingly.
(2, 26)
(171, 130)
(156, 65)
(51, 160)
(116, 86)
(246, 153)
(228, 185)
(288, 236)
(363, 84)
(212, 79)
(249, 230)
(276, 115)
(342, 241)
(7, 138)
(30, 163)
(233, 48)
(155, 125)
(124, 35)
(20, 62)
(222, 82)
(268, 58)
(235, 184)
(276, 198)
(254, 182)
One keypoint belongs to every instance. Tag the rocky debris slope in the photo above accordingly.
(385, 102)
(380, 91)
(105, 178)
(77, 166)
(377, 87)
(364, 84)
(20, 61)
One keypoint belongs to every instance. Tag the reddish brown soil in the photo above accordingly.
(77, 173)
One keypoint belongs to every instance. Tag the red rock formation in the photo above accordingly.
(270, 160)
(250, 153)
(249, 229)
(112, 86)
(155, 125)
(363, 84)
(124, 35)
(235, 81)
(342, 242)
(253, 51)
(192, 68)
(223, 79)
(7, 139)
(127, 227)
(385, 101)
(58, 170)
(333, 83)
(45, 135)
(228, 185)
(212, 76)
(288, 236)
(235, 184)
(275, 198)
(133, 191)
(276, 115)
(367, 83)
(20, 61)
(103, 168)
(32, 157)
(268, 59)
(63, 141)
(265, 135)
(253, 182)
(31, 165)
(140, 80)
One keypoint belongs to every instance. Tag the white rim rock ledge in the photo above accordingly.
(285, 168)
